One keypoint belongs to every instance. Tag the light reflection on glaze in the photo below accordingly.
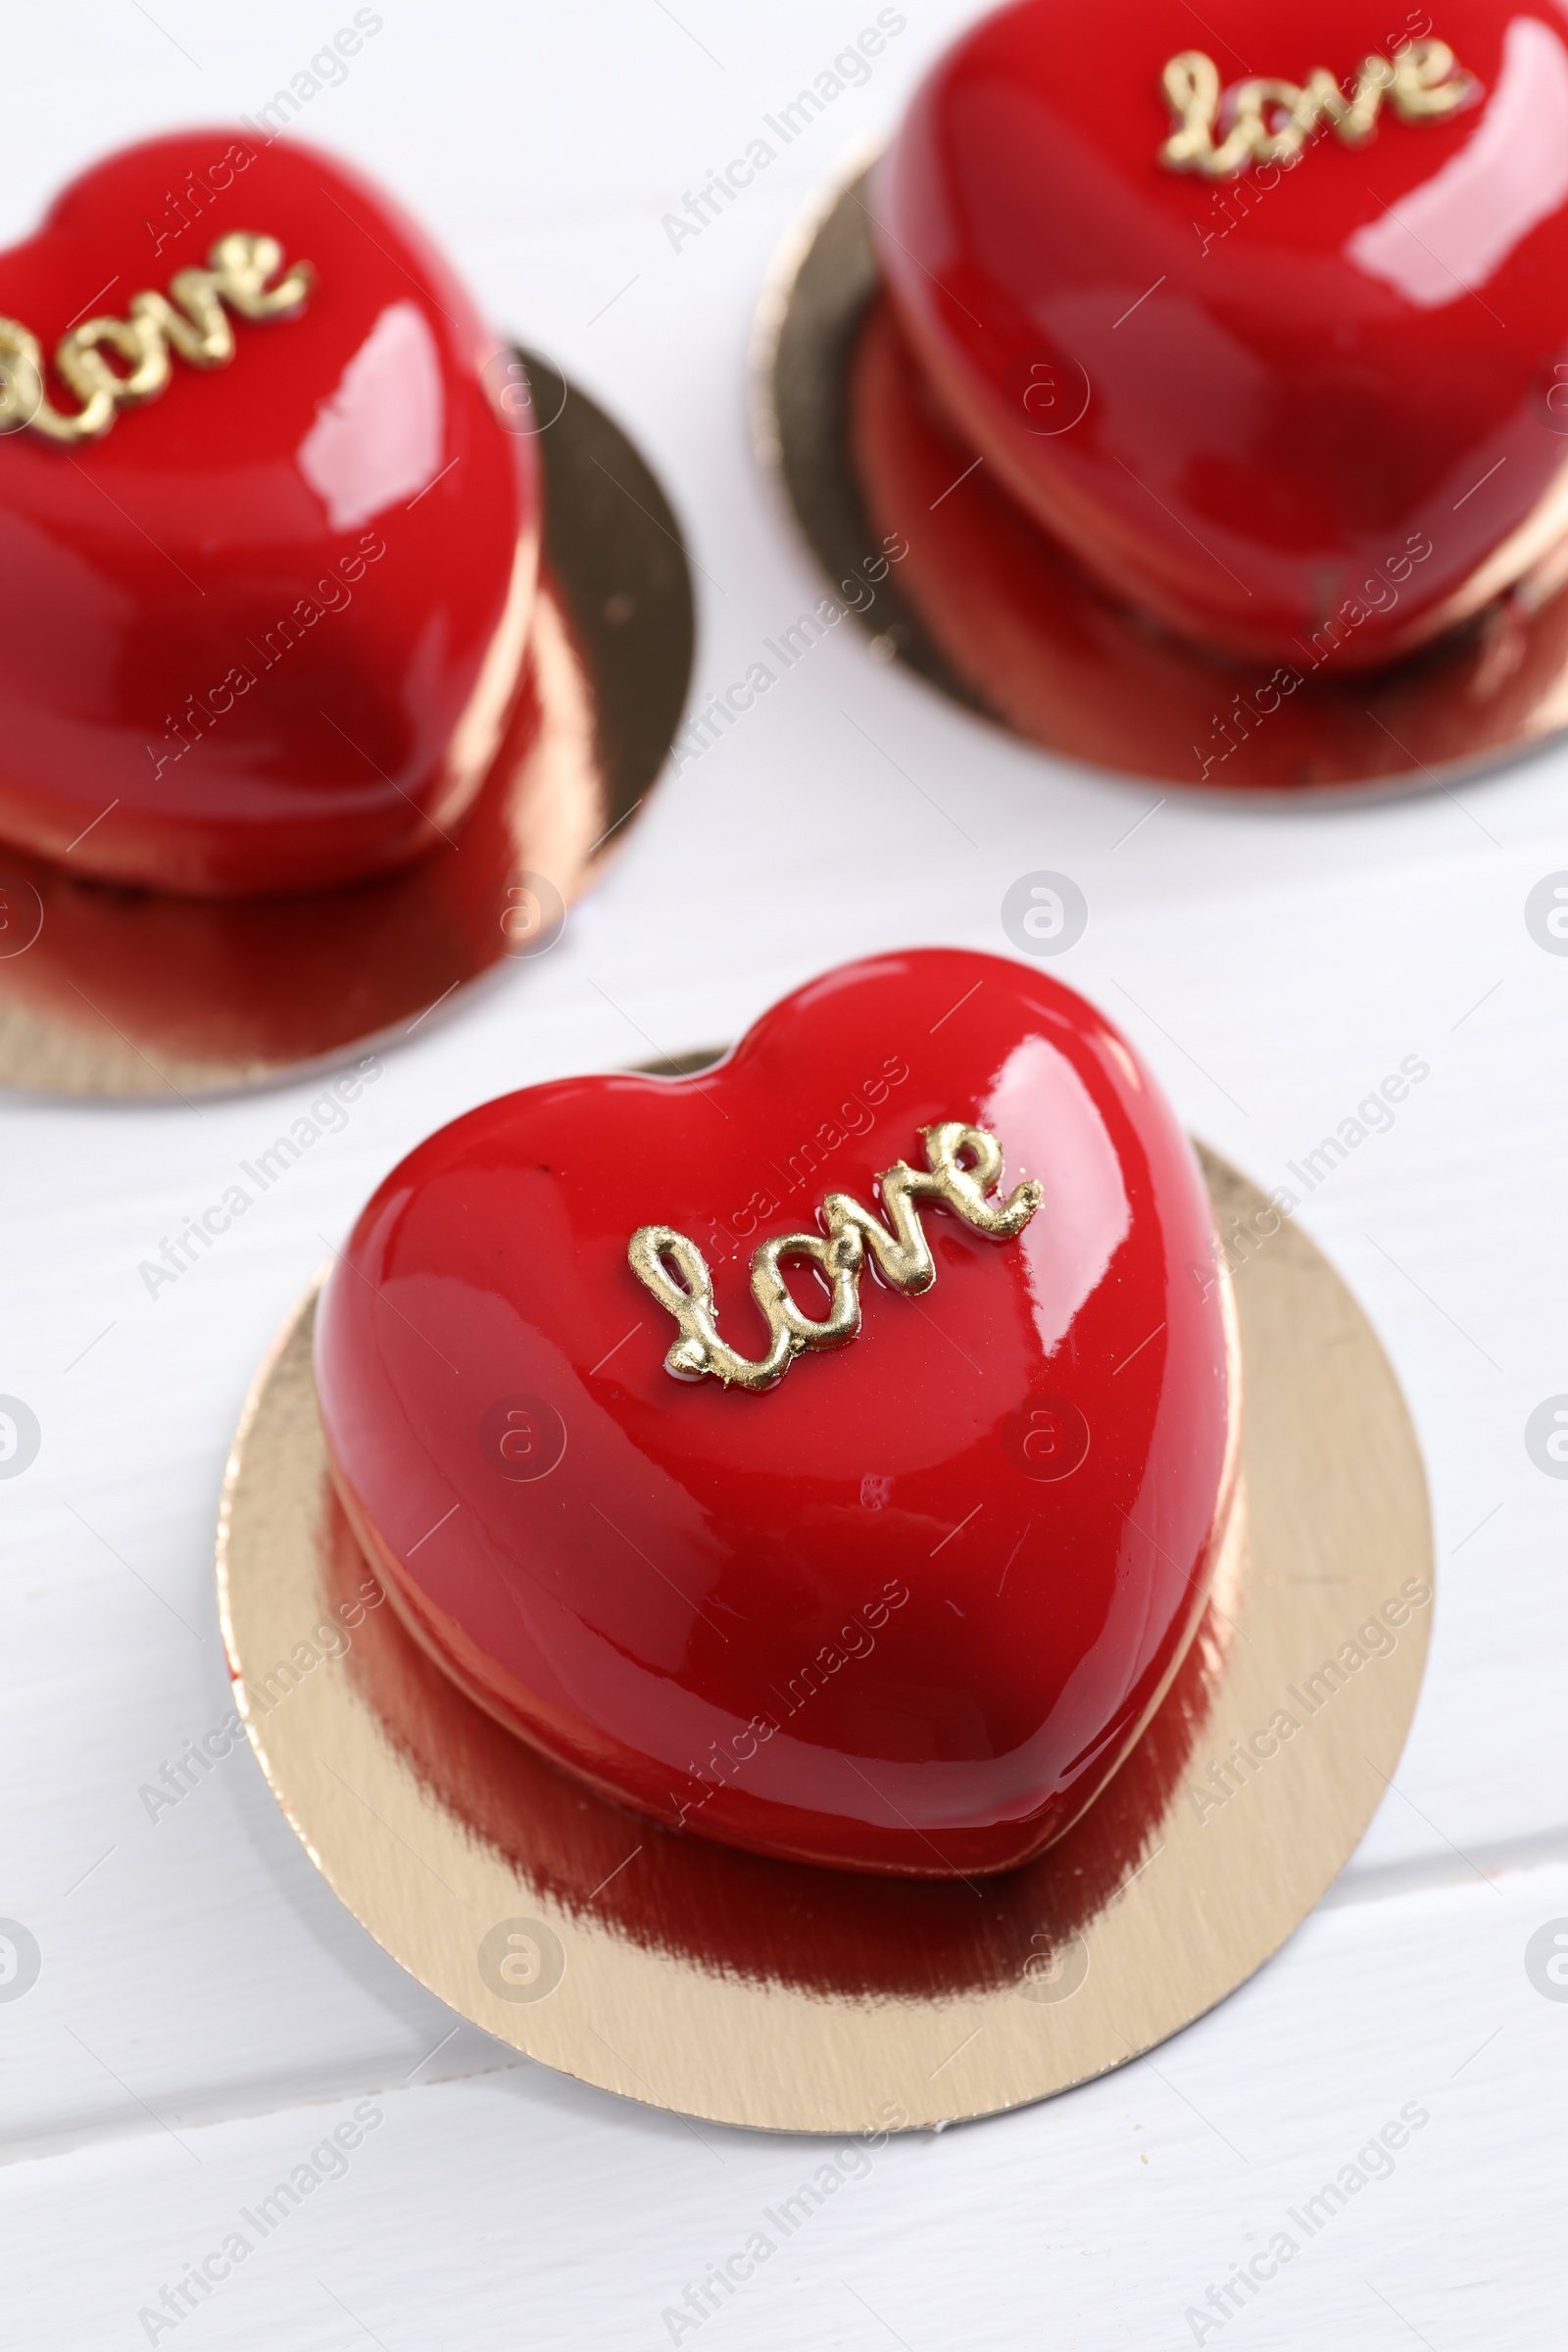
(1445, 240)
(1053, 1130)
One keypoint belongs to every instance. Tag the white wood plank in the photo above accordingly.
(524, 2208)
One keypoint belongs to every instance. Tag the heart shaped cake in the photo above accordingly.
(267, 546)
(827, 1452)
(1263, 312)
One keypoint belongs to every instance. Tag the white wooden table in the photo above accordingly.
(205, 2015)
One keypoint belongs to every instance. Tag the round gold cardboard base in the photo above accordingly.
(997, 616)
(751, 1991)
(136, 993)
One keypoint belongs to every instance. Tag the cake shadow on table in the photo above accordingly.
(734, 1913)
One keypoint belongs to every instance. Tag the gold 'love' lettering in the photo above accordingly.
(1270, 121)
(899, 1248)
(237, 272)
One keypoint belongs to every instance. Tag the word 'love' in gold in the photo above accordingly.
(1270, 121)
(899, 1248)
(237, 272)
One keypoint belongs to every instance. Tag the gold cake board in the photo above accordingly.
(751, 1991)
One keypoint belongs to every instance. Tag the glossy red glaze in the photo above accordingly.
(1248, 405)
(878, 1937)
(1080, 673)
(869, 1618)
(337, 516)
